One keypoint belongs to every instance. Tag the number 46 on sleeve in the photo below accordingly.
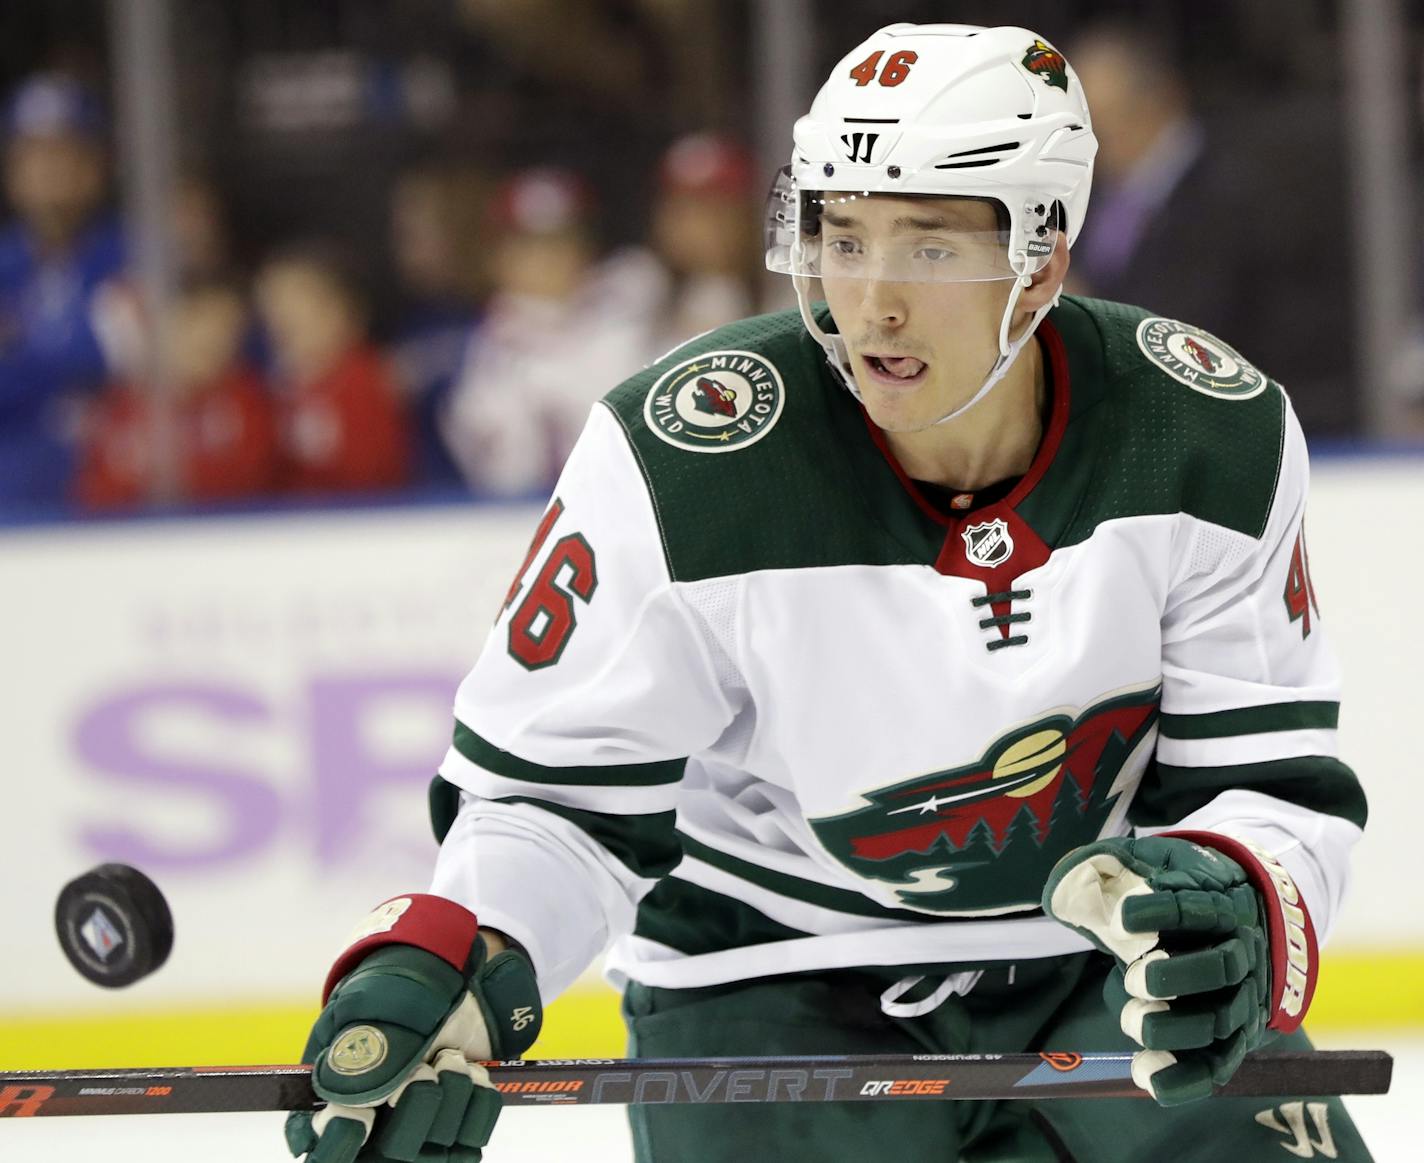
(545, 618)
(1300, 590)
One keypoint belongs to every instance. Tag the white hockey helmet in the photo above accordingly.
(941, 109)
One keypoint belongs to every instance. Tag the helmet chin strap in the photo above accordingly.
(1008, 352)
(835, 345)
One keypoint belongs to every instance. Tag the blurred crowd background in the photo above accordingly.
(263, 252)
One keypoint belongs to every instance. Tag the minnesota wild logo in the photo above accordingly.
(1046, 62)
(716, 402)
(983, 837)
(1201, 361)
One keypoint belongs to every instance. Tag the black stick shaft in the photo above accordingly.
(583, 1081)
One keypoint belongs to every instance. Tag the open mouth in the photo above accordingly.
(896, 371)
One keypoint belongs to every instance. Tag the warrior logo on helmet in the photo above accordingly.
(715, 402)
(713, 398)
(1047, 63)
(985, 835)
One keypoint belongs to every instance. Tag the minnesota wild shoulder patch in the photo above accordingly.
(1198, 359)
(716, 402)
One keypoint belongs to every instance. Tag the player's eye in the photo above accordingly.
(934, 254)
(843, 247)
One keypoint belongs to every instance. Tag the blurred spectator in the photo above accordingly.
(55, 258)
(341, 422)
(561, 328)
(435, 244)
(201, 256)
(222, 422)
(1219, 224)
(705, 231)
(640, 57)
(200, 230)
(1149, 142)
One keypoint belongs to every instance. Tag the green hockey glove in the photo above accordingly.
(1213, 947)
(412, 1009)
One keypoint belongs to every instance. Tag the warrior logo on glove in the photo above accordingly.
(358, 1050)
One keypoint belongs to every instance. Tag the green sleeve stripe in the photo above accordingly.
(646, 844)
(485, 754)
(808, 891)
(1252, 720)
(444, 800)
(1316, 782)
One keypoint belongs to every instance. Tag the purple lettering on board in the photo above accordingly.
(346, 767)
(111, 739)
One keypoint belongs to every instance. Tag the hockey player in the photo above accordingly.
(934, 669)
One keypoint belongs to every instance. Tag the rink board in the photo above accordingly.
(1358, 993)
(249, 708)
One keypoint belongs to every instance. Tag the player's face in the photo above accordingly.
(919, 349)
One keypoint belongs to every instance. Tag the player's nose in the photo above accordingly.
(883, 302)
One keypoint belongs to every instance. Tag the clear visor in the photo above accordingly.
(840, 235)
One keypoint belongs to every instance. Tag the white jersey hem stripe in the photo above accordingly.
(651, 963)
(1234, 750)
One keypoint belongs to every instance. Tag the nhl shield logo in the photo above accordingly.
(989, 543)
(716, 402)
(1200, 360)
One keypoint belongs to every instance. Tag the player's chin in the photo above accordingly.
(898, 411)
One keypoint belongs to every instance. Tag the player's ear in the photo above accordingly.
(1048, 281)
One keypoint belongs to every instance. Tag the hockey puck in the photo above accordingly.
(113, 925)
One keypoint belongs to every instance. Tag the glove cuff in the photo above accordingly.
(1295, 957)
(432, 923)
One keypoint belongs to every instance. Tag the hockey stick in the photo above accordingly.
(577, 1081)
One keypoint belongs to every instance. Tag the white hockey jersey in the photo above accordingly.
(755, 705)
